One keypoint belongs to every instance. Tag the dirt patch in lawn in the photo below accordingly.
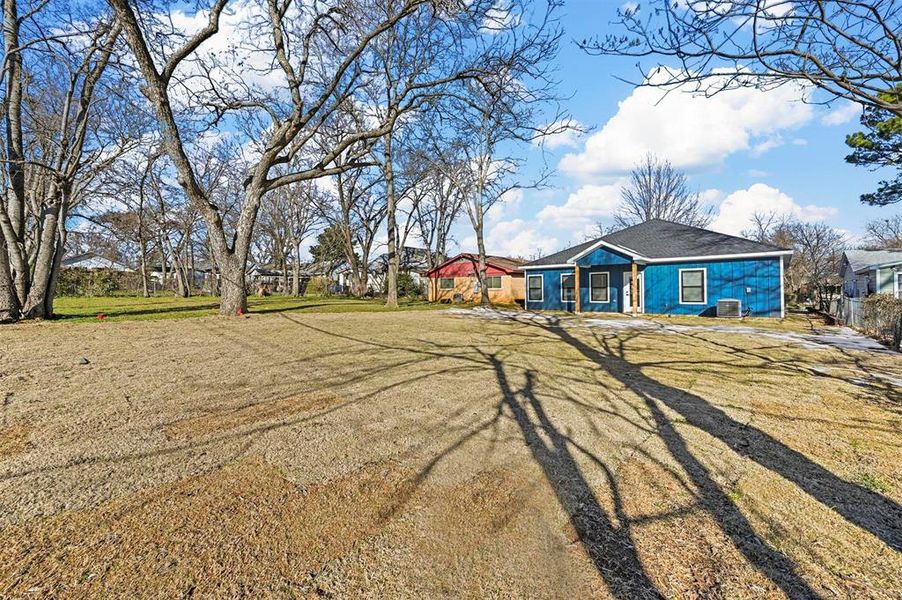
(259, 412)
(244, 530)
(14, 439)
(427, 455)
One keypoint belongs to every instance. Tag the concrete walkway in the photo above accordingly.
(842, 338)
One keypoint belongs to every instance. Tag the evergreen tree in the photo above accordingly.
(880, 145)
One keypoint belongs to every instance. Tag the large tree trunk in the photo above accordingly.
(391, 283)
(296, 271)
(483, 288)
(36, 304)
(9, 301)
(57, 263)
(360, 281)
(145, 284)
(233, 289)
(14, 219)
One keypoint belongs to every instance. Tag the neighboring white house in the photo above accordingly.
(866, 272)
(93, 261)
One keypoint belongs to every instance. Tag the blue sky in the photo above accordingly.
(745, 151)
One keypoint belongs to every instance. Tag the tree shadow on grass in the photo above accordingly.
(610, 547)
(866, 509)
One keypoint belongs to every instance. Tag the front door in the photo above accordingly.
(627, 292)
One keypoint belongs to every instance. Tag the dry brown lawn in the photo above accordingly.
(426, 454)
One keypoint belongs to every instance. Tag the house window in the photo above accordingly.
(568, 292)
(446, 283)
(599, 288)
(493, 283)
(534, 288)
(692, 286)
(899, 286)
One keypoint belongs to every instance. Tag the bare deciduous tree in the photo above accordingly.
(61, 130)
(656, 190)
(846, 48)
(819, 247)
(492, 118)
(884, 234)
(436, 212)
(814, 269)
(324, 55)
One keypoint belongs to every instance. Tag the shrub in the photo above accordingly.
(408, 286)
(318, 286)
(87, 282)
(882, 318)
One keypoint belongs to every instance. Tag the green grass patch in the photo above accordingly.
(872, 482)
(137, 308)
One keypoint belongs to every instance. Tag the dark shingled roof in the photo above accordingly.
(659, 239)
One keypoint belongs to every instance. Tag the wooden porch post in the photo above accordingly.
(576, 285)
(634, 295)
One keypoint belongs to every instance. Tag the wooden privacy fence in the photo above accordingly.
(879, 316)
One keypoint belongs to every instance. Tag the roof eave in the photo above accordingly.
(772, 254)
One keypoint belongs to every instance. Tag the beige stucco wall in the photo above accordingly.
(511, 290)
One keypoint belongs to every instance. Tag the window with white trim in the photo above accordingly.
(599, 287)
(692, 286)
(446, 283)
(493, 282)
(568, 288)
(534, 288)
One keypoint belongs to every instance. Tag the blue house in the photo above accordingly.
(674, 268)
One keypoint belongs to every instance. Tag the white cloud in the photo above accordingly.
(500, 17)
(842, 114)
(231, 54)
(583, 208)
(510, 203)
(687, 128)
(757, 173)
(737, 210)
(514, 238)
(767, 144)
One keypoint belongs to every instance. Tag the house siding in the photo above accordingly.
(755, 282)
(510, 292)
(463, 270)
(551, 290)
(615, 278)
(603, 256)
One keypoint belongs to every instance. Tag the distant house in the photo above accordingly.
(412, 261)
(866, 272)
(455, 279)
(93, 261)
(673, 268)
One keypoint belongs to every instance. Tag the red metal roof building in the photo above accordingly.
(455, 280)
